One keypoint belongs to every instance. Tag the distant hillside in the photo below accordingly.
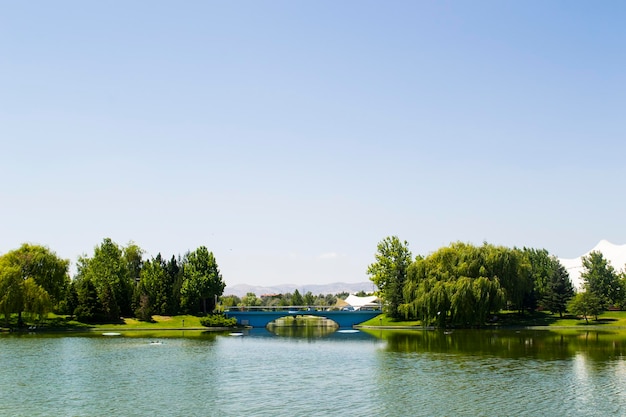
(242, 289)
(615, 254)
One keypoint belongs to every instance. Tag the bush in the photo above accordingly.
(218, 320)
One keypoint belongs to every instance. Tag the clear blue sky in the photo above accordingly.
(291, 137)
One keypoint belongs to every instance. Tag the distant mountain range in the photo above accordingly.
(242, 289)
(615, 254)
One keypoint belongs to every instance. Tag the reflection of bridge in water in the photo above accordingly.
(262, 316)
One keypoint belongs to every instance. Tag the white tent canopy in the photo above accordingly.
(360, 302)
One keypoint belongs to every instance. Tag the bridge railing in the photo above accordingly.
(303, 309)
(281, 308)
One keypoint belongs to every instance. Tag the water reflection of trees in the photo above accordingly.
(540, 344)
(303, 327)
(307, 332)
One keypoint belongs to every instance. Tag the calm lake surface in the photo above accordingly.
(382, 373)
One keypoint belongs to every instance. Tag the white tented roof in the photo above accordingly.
(358, 302)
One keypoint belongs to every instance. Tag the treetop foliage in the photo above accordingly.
(32, 280)
(114, 281)
(599, 278)
(389, 272)
(463, 284)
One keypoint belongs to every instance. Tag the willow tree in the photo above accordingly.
(453, 286)
(11, 290)
(513, 269)
(428, 300)
(45, 268)
(389, 273)
(33, 279)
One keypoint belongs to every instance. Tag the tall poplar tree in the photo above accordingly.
(389, 272)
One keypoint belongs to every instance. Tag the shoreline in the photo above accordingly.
(356, 327)
(115, 329)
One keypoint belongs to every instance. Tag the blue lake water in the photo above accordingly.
(382, 373)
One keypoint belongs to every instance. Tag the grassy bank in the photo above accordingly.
(608, 319)
(514, 319)
(54, 322)
(384, 321)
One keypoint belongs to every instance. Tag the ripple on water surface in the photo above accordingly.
(268, 375)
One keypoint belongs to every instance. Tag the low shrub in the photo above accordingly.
(218, 320)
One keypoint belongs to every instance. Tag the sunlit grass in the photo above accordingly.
(158, 322)
(53, 321)
(608, 319)
(383, 320)
(513, 318)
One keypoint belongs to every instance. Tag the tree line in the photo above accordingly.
(458, 285)
(465, 285)
(604, 287)
(285, 299)
(113, 282)
(117, 281)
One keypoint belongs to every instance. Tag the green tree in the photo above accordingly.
(330, 300)
(462, 301)
(37, 301)
(513, 270)
(455, 285)
(70, 300)
(155, 287)
(173, 283)
(586, 304)
(108, 270)
(600, 278)
(541, 269)
(88, 308)
(133, 256)
(230, 301)
(309, 299)
(145, 310)
(43, 280)
(202, 281)
(389, 273)
(45, 268)
(250, 300)
(558, 289)
(296, 298)
(11, 290)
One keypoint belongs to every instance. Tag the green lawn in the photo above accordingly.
(606, 319)
(609, 319)
(383, 320)
(160, 322)
(512, 318)
(54, 322)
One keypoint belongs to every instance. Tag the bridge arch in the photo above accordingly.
(261, 318)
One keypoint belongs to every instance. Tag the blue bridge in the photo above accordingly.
(255, 317)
